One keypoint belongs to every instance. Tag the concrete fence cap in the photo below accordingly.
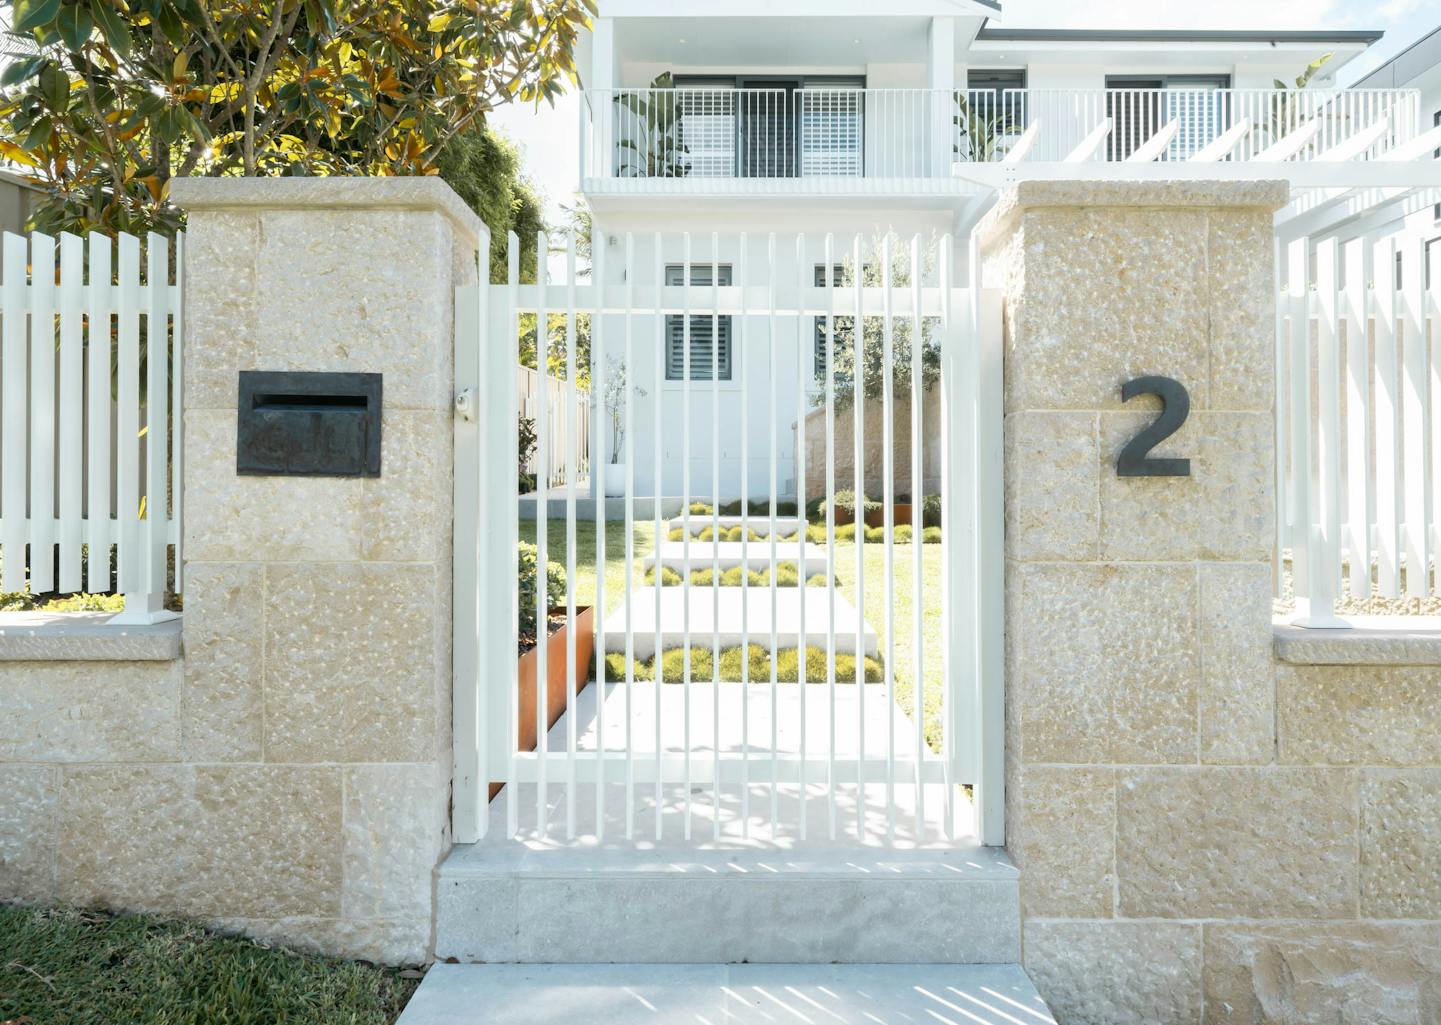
(428, 193)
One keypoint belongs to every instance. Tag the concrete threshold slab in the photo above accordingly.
(707, 994)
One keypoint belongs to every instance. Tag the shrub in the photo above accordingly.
(526, 438)
(673, 664)
(930, 511)
(846, 533)
(554, 588)
(931, 536)
(701, 509)
(87, 603)
(668, 577)
(875, 535)
(676, 534)
(847, 500)
(903, 534)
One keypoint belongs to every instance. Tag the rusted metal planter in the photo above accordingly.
(557, 691)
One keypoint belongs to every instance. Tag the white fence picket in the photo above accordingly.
(42, 413)
(74, 483)
(71, 306)
(1376, 524)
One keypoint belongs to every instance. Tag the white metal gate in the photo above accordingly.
(729, 407)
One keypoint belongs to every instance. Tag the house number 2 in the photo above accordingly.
(1136, 459)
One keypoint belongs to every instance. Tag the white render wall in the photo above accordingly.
(751, 338)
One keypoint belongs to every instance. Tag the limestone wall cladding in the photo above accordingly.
(289, 777)
(1205, 834)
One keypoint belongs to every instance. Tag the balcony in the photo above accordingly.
(696, 141)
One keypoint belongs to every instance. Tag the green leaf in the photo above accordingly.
(38, 135)
(31, 14)
(26, 67)
(75, 25)
(112, 26)
(55, 87)
(173, 25)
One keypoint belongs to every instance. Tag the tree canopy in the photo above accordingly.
(122, 95)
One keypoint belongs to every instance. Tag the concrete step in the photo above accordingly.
(754, 994)
(724, 609)
(536, 901)
(761, 524)
(755, 555)
(556, 503)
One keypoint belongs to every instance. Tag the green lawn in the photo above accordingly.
(68, 967)
(932, 623)
(644, 533)
(875, 598)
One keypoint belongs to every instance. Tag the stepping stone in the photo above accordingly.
(757, 555)
(724, 608)
(760, 524)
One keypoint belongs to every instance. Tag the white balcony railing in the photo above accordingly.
(848, 133)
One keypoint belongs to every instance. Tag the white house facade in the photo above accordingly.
(831, 119)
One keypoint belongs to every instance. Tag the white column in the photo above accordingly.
(598, 85)
(941, 80)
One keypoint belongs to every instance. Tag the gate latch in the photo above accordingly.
(465, 405)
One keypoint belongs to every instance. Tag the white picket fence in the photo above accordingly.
(1358, 421)
(552, 405)
(90, 445)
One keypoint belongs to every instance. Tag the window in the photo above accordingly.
(839, 278)
(771, 127)
(1140, 106)
(707, 353)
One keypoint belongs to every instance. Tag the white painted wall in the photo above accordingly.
(697, 403)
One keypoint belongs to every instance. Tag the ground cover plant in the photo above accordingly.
(732, 662)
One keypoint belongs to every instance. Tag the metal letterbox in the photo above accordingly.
(305, 424)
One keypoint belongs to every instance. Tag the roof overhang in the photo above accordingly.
(799, 9)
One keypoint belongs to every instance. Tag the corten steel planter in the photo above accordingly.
(878, 518)
(557, 692)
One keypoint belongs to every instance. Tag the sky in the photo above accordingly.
(549, 138)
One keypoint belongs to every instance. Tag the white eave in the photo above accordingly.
(798, 8)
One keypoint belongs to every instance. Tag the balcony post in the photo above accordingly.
(939, 106)
(602, 98)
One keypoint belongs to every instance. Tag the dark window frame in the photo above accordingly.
(724, 358)
(792, 84)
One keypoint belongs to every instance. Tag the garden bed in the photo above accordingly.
(733, 661)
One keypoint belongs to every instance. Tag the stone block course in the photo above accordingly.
(1065, 841)
(1322, 973)
(1116, 973)
(89, 711)
(1222, 842)
(1108, 663)
(255, 841)
(1401, 843)
(27, 831)
(363, 689)
(1359, 715)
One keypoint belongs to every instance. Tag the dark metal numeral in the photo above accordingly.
(1136, 459)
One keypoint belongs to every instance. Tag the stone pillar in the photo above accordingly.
(317, 609)
(1140, 687)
